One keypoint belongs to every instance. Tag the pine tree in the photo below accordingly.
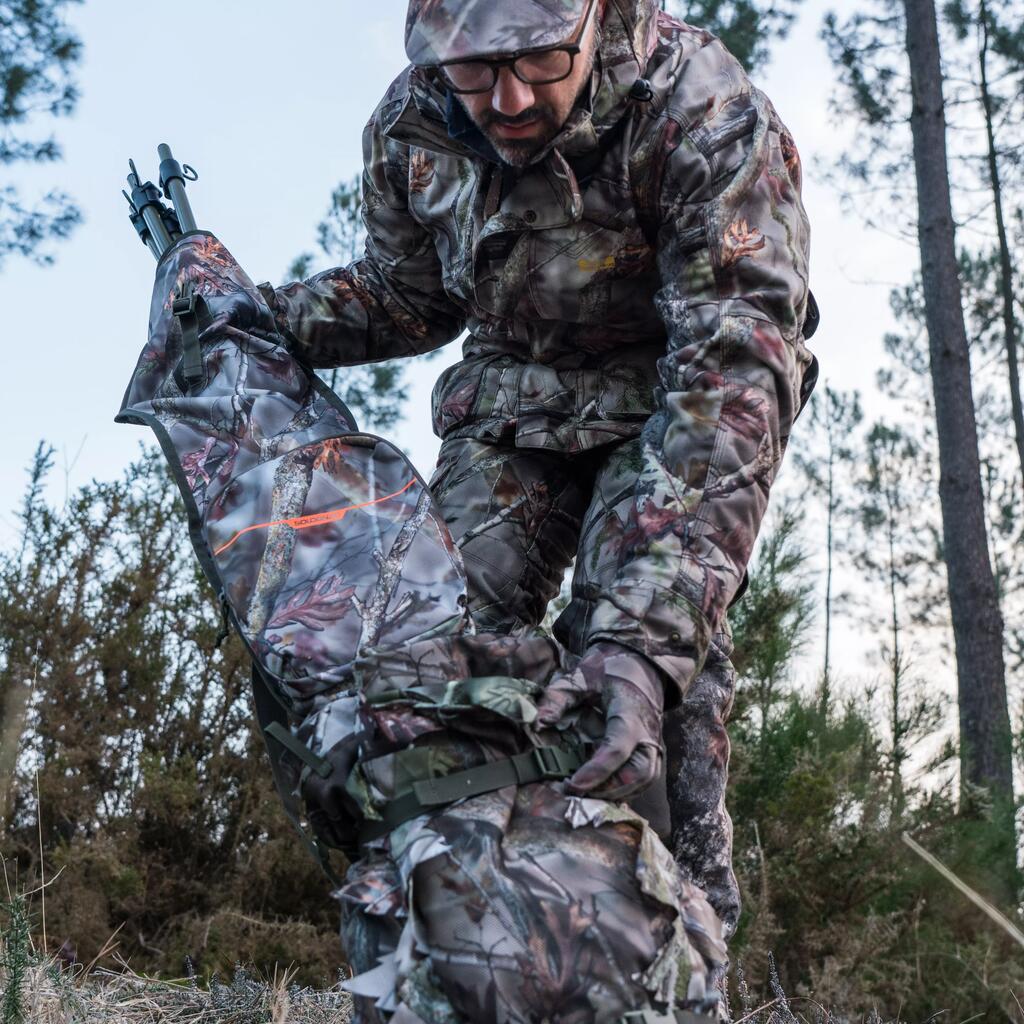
(996, 30)
(825, 455)
(38, 55)
(375, 392)
(892, 89)
(895, 552)
(747, 27)
(771, 624)
(977, 623)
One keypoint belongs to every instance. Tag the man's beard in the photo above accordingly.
(519, 152)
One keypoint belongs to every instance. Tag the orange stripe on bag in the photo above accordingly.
(316, 519)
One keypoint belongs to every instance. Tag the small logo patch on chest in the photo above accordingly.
(592, 266)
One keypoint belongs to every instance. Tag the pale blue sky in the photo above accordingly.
(267, 100)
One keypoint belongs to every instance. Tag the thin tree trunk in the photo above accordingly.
(1005, 261)
(898, 755)
(985, 748)
(826, 684)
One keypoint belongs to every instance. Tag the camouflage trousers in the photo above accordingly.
(520, 518)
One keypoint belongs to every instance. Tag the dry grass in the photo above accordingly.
(52, 994)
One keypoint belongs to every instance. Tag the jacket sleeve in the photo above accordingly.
(732, 256)
(391, 302)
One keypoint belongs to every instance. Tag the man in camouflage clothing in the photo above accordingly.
(597, 193)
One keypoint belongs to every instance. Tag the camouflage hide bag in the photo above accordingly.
(478, 889)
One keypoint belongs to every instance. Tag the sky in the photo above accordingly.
(267, 101)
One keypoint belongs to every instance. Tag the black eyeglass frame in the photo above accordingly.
(572, 49)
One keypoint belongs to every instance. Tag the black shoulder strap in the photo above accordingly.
(188, 309)
(273, 721)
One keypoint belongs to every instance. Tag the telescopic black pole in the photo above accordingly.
(140, 226)
(160, 226)
(172, 181)
(146, 200)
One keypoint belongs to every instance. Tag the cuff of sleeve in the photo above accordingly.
(266, 289)
(663, 626)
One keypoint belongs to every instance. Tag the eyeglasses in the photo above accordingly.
(536, 67)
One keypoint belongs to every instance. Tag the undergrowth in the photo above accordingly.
(44, 990)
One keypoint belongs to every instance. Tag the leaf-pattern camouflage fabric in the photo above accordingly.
(520, 516)
(644, 277)
(442, 30)
(519, 905)
(323, 541)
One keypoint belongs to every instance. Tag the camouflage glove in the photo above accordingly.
(628, 692)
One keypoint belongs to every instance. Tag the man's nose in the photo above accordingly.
(510, 95)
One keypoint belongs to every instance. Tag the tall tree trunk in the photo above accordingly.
(1005, 260)
(985, 749)
(826, 682)
(896, 684)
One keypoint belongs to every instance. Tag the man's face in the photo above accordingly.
(520, 119)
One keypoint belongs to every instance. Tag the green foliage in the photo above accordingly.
(155, 795)
(15, 950)
(854, 920)
(874, 176)
(38, 55)
(747, 27)
(771, 623)
(376, 392)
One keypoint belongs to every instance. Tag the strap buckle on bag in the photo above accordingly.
(541, 764)
(184, 304)
(555, 762)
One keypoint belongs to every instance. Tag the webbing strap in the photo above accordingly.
(676, 1017)
(186, 309)
(270, 713)
(535, 765)
(286, 738)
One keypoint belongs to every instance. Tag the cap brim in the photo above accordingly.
(439, 31)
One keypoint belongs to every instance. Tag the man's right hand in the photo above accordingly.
(629, 693)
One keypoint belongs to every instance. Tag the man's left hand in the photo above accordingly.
(629, 693)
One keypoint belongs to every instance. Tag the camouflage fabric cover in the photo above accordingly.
(442, 30)
(340, 575)
(324, 541)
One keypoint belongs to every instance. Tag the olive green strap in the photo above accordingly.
(535, 765)
(288, 739)
(272, 718)
(186, 309)
(677, 1017)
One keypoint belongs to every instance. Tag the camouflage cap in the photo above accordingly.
(437, 31)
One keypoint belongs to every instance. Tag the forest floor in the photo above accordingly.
(49, 994)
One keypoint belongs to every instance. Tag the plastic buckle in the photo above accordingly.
(186, 304)
(552, 762)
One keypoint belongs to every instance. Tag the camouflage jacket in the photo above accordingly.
(645, 274)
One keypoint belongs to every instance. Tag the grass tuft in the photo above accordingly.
(50, 993)
(15, 958)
